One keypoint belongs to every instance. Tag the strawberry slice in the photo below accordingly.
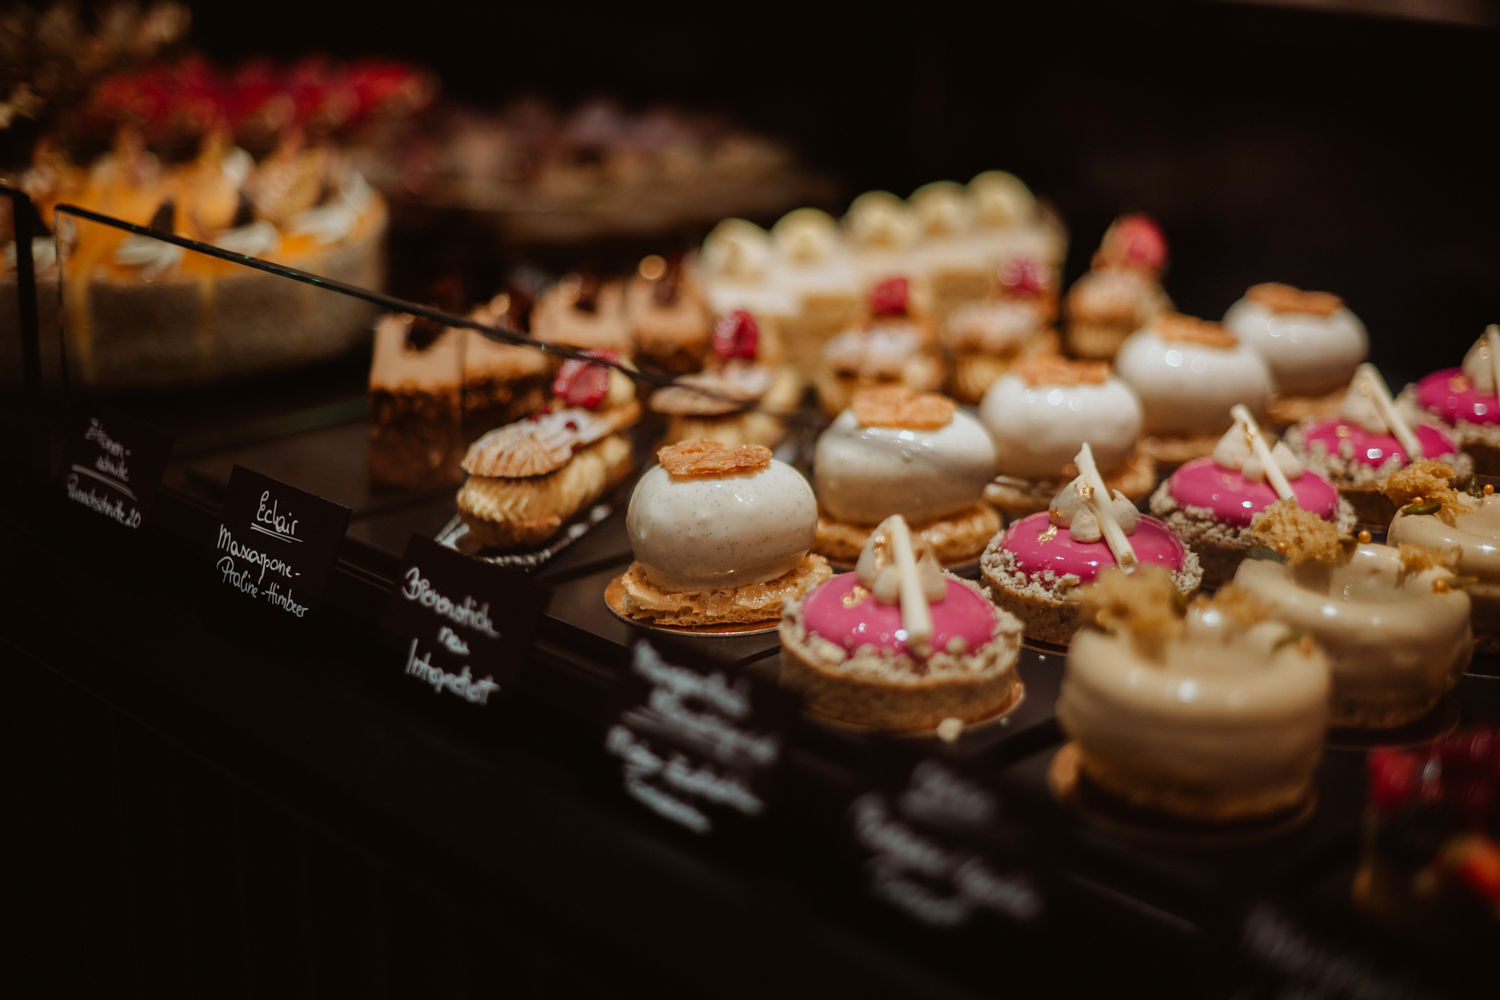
(890, 297)
(736, 336)
(1021, 278)
(1393, 775)
(582, 382)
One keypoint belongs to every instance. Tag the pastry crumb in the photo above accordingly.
(1423, 480)
(1416, 558)
(901, 406)
(1298, 534)
(1053, 370)
(1145, 604)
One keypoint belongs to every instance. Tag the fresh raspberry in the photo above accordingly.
(1392, 779)
(736, 336)
(890, 297)
(1137, 241)
(1021, 278)
(583, 382)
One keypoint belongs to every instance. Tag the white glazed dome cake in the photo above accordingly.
(896, 451)
(1217, 716)
(1310, 341)
(721, 535)
(1042, 411)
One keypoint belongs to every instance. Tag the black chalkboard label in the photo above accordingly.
(935, 848)
(463, 626)
(698, 743)
(113, 464)
(277, 544)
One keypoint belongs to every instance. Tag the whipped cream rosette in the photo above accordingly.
(1174, 713)
(896, 451)
(898, 644)
(721, 535)
(1392, 618)
(1369, 440)
(1210, 502)
(1035, 566)
(1042, 411)
(1310, 341)
(1464, 401)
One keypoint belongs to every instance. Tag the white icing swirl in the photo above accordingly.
(806, 236)
(942, 208)
(1477, 368)
(147, 253)
(1070, 510)
(1001, 199)
(737, 250)
(879, 573)
(1234, 451)
(258, 239)
(237, 165)
(880, 220)
(1359, 407)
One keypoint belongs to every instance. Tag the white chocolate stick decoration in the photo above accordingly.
(916, 616)
(1096, 495)
(1257, 442)
(1492, 341)
(1373, 386)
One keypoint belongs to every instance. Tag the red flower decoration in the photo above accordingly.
(582, 382)
(890, 297)
(736, 336)
(1136, 240)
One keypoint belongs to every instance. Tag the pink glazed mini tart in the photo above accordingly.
(1033, 567)
(1470, 415)
(1210, 502)
(1357, 460)
(849, 657)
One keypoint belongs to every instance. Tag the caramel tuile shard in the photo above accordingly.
(1054, 370)
(901, 406)
(1192, 330)
(1145, 605)
(1281, 298)
(712, 458)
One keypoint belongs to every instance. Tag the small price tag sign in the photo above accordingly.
(696, 742)
(933, 845)
(277, 544)
(113, 465)
(464, 626)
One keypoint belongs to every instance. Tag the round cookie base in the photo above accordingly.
(973, 374)
(757, 603)
(1096, 341)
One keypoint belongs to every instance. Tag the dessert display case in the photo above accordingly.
(282, 726)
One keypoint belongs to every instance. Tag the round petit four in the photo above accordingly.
(899, 645)
(1217, 716)
(987, 336)
(894, 347)
(1466, 403)
(1188, 374)
(1368, 441)
(1431, 862)
(741, 397)
(1210, 502)
(528, 478)
(1122, 291)
(720, 535)
(896, 451)
(1033, 567)
(1394, 625)
(1041, 411)
(1310, 341)
(1429, 512)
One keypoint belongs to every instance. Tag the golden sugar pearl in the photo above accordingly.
(1489, 489)
(652, 268)
(1364, 538)
(1440, 586)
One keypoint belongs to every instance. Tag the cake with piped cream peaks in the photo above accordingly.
(881, 232)
(898, 451)
(1035, 567)
(1310, 341)
(721, 536)
(944, 257)
(668, 318)
(987, 336)
(1040, 413)
(894, 345)
(814, 265)
(1369, 440)
(1121, 292)
(899, 645)
(1171, 709)
(1210, 502)
(1465, 402)
(742, 395)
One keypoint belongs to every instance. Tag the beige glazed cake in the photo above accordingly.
(1214, 716)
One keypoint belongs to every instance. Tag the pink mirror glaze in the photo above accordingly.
(1375, 449)
(1202, 483)
(1034, 551)
(961, 614)
(1450, 395)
